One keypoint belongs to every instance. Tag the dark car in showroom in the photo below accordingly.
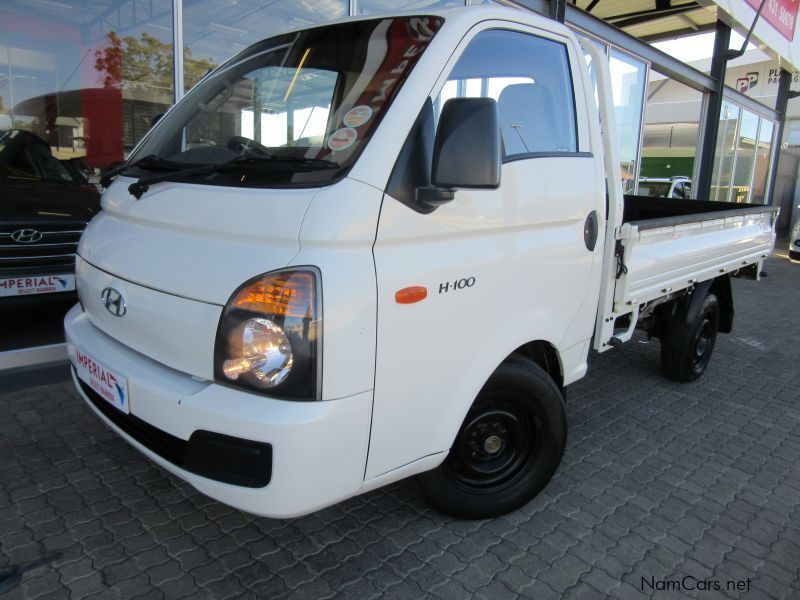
(45, 204)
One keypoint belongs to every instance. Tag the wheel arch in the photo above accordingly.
(545, 355)
(721, 288)
(541, 352)
(687, 308)
(529, 464)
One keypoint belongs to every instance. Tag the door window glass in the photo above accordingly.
(530, 79)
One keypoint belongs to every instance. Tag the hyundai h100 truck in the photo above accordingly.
(381, 248)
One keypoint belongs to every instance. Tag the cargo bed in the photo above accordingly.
(665, 246)
(669, 245)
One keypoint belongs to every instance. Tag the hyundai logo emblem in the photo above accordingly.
(114, 302)
(26, 236)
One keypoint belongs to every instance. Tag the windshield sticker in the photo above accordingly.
(357, 116)
(342, 139)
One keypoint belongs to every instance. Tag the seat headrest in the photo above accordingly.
(526, 119)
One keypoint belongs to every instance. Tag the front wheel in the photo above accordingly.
(508, 447)
(686, 347)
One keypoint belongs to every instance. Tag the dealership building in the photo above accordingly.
(90, 77)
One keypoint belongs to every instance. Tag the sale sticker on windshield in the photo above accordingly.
(342, 139)
(357, 116)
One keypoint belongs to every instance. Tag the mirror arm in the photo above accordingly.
(434, 196)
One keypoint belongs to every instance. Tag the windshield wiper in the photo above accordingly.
(151, 160)
(138, 188)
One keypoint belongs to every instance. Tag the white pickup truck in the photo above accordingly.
(384, 247)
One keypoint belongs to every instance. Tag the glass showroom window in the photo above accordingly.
(671, 136)
(628, 77)
(745, 157)
(211, 35)
(369, 7)
(724, 153)
(742, 157)
(763, 160)
(85, 79)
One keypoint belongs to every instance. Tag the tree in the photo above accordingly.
(144, 63)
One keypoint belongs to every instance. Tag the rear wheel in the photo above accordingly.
(507, 448)
(686, 348)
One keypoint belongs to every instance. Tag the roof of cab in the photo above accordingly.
(466, 16)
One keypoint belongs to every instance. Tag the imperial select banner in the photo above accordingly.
(775, 31)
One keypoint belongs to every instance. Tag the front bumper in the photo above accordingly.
(318, 449)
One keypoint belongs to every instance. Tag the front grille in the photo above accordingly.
(56, 249)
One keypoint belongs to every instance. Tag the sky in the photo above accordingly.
(696, 47)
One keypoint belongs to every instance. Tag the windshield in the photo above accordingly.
(654, 189)
(300, 107)
(24, 155)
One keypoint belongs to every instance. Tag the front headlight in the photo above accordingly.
(268, 339)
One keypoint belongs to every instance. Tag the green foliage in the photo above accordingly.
(144, 63)
(660, 166)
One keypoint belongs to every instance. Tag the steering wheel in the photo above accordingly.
(244, 145)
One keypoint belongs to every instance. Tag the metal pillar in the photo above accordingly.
(710, 129)
(558, 10)
(177, 49)
(781, 103)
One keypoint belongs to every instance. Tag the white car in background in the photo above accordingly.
(666, 187)
(794, 240)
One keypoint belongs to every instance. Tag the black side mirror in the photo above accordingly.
(467, 152)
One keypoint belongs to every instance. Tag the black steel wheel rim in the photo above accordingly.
(498, 442)
(704, 342)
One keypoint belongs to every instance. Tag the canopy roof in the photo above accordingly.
(653, 20)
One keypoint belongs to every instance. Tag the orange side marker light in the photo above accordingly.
(412, 294)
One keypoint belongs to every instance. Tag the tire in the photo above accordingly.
(686, 348)
(794, 255)
(508, 447)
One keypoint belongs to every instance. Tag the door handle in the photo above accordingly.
(590, 230)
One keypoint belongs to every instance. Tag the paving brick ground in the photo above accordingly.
(660, 480)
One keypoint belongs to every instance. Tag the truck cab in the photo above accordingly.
(376, 249)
